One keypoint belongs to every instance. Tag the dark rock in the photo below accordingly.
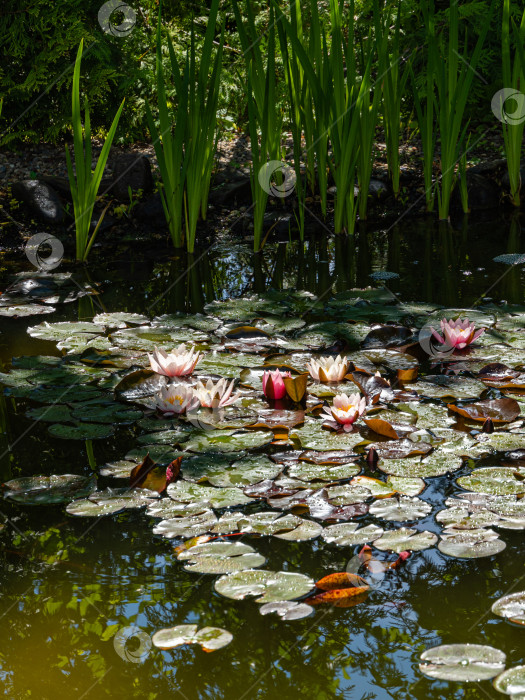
(150, 212)
(40, 199)
(131, 170)
(482, 193)
(233, 192)
(61, 184)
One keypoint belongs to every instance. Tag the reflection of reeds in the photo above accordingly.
(185, 140)
(513, 78)
(83, 183)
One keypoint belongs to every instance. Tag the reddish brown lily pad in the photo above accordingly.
(498, 410)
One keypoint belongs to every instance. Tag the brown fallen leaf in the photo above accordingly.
(296, 387)
(148, 475)
(340, 597)
(342, 579)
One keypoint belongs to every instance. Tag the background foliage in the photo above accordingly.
(39, 40)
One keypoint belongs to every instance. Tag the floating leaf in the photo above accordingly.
(462, 662)
(209, 638)
(221, 557)
(189, 526)
(270, 586)
(341, 579)
(400, 508)
(512, 682)
(45, 490)
(227, 440)
(312, 436)
(188, 492)
(349, 534)
(340, 598)
(495, 480)
(287, 609)
(498, 410)
(307, 472)
(405, 539)
(470, 544)
(512, 607)
(81, 431)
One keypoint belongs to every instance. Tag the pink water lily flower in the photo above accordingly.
(345, 410)
(457, 334)
(174, 399)
(328, 369)
(180, 362)
(273, 384)
(217, 395)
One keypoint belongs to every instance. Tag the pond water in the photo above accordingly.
(70, 584)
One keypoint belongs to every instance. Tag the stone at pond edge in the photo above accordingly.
(41, 200)
(131, 170)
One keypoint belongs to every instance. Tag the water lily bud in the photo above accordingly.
(488, 426)
(372, 458)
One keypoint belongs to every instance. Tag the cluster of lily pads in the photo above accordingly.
(281, 428)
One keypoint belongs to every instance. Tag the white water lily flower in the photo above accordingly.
(175, 399)
(328, 369)
(217, 395)
(345, 411)
(180, 362)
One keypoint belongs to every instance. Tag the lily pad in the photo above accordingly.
(270, 586)
(287, 609)
(400, 508)
(221, 557)
(462, 662)
(511, 682)
(512, 607)
(81, 431)
(209, 638)
(45, 490)
(120, 319)
(349, 534)
(188, 492)
(312, 436)
(470, 544)
(186, 527)
(495, 480)
(227, 440)
(305, 471)
(405, 539)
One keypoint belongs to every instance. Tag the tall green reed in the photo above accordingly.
(453, 73)
(186, 137)
(425, 106)
(84, 184)
(264, 119)
(513, 73)
(393, 75)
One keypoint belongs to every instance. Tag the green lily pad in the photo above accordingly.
(400, 508)
(111, 501)
(106, 413)
(436, 464)
(495, 480)
(188, 492)
(405, 539)
(227, 440)
(195, 321)
(350, 534)
(462, 662)
(511, 682)
(312, 436)
(55, 413)
(470, 544)
(186, 527)
(441, 386)
(287, 609)
(45, 490)
(305, 471)
(249, 470)
(460, 518)
(64, 329)
(209, 638)
(270, 586)
(221, 557)
(81, 431)
(161, 454)
(24, 310)
(511, 607)
(119, 470)
(120, 319)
